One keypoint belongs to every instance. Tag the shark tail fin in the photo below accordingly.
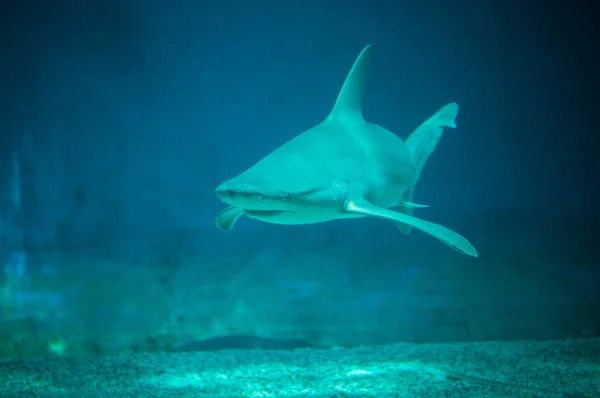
(421, 144)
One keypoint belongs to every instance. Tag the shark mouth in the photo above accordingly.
(266, 213)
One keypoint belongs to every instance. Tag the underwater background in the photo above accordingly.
(118, 119)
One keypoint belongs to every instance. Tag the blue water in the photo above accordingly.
(125, 116)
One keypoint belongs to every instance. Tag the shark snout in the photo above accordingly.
(222, 190)
(226, 190)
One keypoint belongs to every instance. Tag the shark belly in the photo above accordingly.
(298, 218)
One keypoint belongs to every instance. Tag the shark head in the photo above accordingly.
(277, 186)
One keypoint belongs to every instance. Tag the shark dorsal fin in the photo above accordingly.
(350, 99)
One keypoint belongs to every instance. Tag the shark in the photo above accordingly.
(344, 167)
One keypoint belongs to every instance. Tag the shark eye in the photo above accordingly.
(286, 197)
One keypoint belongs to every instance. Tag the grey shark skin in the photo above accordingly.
(344, 167)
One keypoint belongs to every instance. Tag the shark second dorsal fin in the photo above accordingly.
(350, 99)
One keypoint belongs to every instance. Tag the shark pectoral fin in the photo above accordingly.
(227, 217)
(443, 234)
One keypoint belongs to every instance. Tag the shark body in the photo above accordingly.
(344, 167)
